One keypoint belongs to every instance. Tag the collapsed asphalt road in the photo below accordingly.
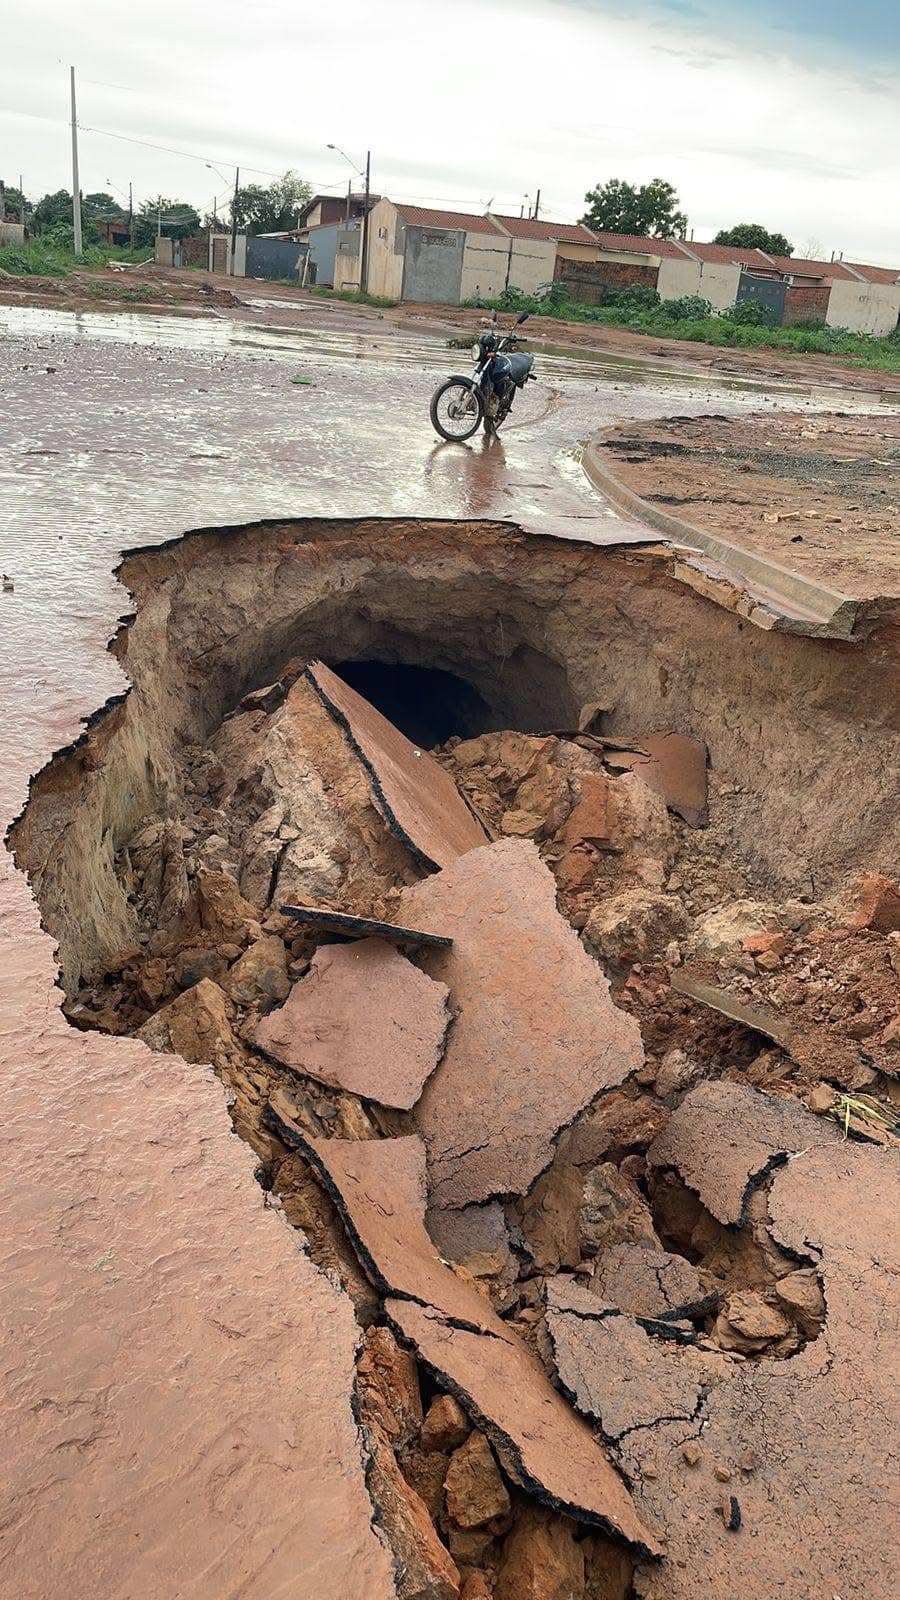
(120, 1162)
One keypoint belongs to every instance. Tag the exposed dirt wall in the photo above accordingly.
(805, 729)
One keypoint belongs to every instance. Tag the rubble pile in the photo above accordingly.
(496, 1020)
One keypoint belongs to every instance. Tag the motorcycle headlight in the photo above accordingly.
(476, 351)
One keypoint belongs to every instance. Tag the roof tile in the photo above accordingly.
(528, 228)
(425, 217)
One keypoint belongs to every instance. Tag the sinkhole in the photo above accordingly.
(451, 630)
(163, 844)
(428, 704)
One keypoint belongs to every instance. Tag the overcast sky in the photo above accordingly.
(786, 112)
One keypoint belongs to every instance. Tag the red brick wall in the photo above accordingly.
(194, 252)
(588, 281)
(805, 303)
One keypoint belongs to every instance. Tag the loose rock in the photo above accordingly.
(475, 1491)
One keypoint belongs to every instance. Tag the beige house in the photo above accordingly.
(448, 257)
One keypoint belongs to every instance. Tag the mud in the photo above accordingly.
(199, 294)
(821, 494)
(164, 843)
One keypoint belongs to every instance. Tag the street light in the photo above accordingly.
(364, 255)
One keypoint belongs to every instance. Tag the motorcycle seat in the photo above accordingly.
(520, 366)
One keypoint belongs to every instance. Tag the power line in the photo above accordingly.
(190, 155)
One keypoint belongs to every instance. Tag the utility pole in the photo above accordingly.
(131, 217)
(364, 267)
(537, 206)
(2, 201)
(349, 196)
(159, 216)
(76, 191)
(237, 177)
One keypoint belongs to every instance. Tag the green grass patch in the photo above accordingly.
(734, 329)
(49, 259)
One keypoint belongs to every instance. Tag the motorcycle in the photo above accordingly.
(459, 405)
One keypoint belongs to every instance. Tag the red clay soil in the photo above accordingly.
(166, 1413)
(134, 289)
(819, 494)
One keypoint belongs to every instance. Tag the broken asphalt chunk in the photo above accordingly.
(540, 1442)
(650, 1284)
(363, 1019)
(725, 1138)
(812, 1436)
(614, 1370)
(379, 1188)
(417, 797)
(675, 766)
(536, 1037)
(351, 927)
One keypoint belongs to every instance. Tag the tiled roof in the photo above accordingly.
(638, 243)
(728, 254)
(876, 274)
(527, 228)
(424, 217)
(805, 267)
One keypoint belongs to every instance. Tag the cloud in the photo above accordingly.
(553, 94)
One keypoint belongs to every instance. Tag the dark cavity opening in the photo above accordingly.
(428, 704)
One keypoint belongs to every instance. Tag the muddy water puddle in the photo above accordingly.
(557, 364)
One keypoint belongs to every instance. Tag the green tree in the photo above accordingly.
(101, 205)
(649, 209)
(53, 210)
(14, 202)
(271, 209)
(178, 218)
(753, 236)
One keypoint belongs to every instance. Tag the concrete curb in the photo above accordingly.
(784, 601)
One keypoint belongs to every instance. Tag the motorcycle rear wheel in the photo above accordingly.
(456, 410)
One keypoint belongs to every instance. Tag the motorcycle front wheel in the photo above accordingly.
(456, 410)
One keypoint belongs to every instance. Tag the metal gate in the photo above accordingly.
(274, 258)
(432, 265)
(768, 292)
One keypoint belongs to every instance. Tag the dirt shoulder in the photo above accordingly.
(184, 292)
(140, 288)
(819, 494)
(756, 363)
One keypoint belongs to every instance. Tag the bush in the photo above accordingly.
(747, 325)
(47, 258)
(512, 299)
(636, 297)
(689, 308)
(552, 297)
(750, 314)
